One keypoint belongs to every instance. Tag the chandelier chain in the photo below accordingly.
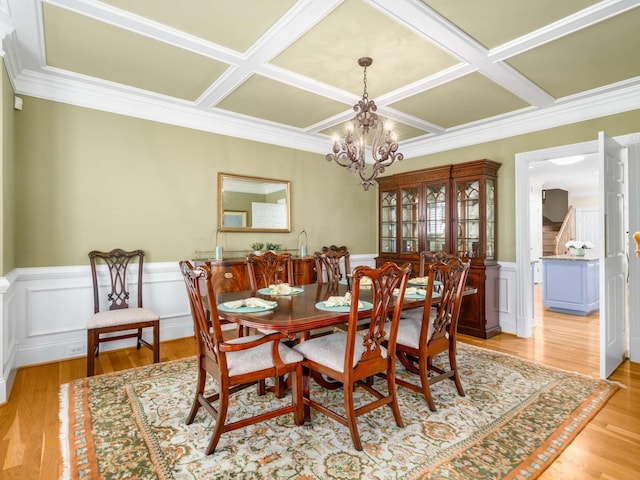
(365, 95)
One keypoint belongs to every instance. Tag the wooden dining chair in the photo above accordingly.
(419, 340)
(235, 364)
(269, 269)
(121, 319)
(335, 248)
(353, 357)
(329, 265)
(426, 258)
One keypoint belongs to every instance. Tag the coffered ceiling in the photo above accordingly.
(447, 73)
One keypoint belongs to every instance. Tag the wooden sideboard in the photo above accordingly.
(230, 275)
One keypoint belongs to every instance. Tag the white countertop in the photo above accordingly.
(586, 258)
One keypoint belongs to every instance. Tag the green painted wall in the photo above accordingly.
(92, 179)
(7, 174)
(504, 151)
(96, 180)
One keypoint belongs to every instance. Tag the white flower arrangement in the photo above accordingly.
(578, 244)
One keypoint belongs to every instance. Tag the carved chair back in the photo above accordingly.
(269, 269)
(328, 265)
(235, 364)
(117, 261)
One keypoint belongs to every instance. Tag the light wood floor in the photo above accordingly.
(608, 448)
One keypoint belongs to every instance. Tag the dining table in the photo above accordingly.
(303, 309)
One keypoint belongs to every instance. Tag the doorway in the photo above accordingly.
(564, 204)
(525, 305)
(525, 320)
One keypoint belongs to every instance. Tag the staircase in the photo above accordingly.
(556, 234)
(549, 233)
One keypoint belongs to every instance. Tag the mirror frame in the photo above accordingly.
(232, 176)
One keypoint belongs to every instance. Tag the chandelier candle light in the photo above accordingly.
(219, 251)
(366, 131)
(302, 243)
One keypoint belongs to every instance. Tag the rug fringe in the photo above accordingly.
(64, 429)
(162, 439)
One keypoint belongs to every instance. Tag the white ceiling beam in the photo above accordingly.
(427, 23)
(297, 21)
(565, 26)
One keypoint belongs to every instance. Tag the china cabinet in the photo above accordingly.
(450, 208)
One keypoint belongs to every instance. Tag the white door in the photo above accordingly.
(613, 261)
(268, 215)
(588, 227)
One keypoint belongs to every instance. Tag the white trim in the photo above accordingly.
(525, 318)
(633, 196)
(507, 299)
(51, 306)
(7, 339)
(30, 76)
(47, 309)
(525, 313)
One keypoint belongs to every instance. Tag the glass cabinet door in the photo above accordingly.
(388, 225)
(490, 219)
(468, 218)
(409, 212)
(436, 199)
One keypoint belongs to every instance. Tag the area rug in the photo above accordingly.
(515, 419)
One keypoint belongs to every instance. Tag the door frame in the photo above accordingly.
(525, 320)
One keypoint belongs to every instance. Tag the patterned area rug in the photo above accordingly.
(514, 421)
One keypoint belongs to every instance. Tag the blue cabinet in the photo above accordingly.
(570, 284)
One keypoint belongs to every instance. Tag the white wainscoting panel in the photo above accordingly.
(54, 305)
(362, 259)
(507, 297)
(51, 310)
(7, 338)
(45, 310)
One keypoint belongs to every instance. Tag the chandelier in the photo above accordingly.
(366, 132)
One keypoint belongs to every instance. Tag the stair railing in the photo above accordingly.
(567, 231)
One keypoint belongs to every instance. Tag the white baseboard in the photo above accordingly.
(56, 303)
(45, 310)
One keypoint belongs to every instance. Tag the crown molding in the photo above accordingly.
(101, 96)
(608, 103)
(129, 102)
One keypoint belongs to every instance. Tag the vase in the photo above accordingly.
(578, 252)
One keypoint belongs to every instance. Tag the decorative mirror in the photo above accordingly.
(253, 204)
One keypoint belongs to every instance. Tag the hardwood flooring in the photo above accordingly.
(608, 448)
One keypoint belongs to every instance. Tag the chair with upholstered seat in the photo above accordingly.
(235, 364)
(269, 269)
(329, 264)
(353, 357)
(419, 340)
(426, 257)
(120, 317)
